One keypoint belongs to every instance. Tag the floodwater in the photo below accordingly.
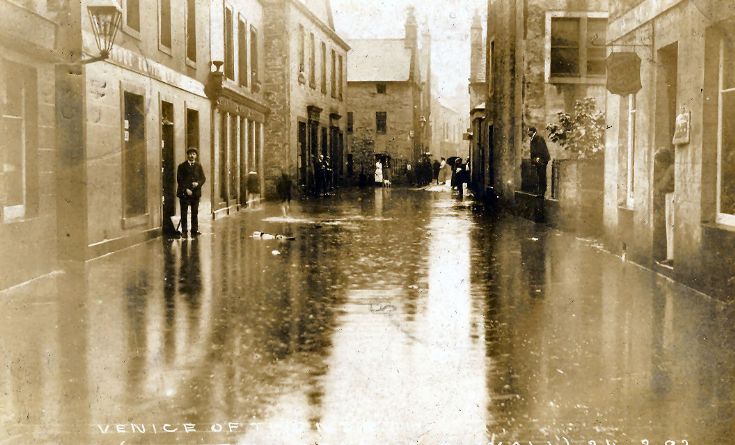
(394, 317)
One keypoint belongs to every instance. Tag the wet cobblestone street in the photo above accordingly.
(394, 317)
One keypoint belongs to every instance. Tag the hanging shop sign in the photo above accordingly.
(623, 73)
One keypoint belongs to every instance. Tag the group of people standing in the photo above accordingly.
(323, 175)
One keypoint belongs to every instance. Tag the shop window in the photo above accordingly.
(381, 122)
(134, 156)
(18, 146)
(577, 45)
(726, 133)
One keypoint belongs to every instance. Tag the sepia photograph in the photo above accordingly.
(367, 222)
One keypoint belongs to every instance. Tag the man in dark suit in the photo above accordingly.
(190, 178)
(540, 157)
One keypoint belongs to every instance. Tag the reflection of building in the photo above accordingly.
(686, 66)
(540, 56)
(304, 81)
(388, 99)
(447, 127)
(237, 146)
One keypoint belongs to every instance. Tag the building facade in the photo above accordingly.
(541, 56)
(305, 83)
(388, 104)
(669, 156)
(239, 109)
(447, 126)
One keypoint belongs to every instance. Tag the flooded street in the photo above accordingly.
(394, 317)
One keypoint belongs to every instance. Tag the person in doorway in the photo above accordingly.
(189, 180)
(283, 190)
(460, 177)
(378, 173)
(540, 157)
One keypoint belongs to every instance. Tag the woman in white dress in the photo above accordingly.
(379, 172)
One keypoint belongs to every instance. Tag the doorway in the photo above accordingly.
(664, 157)
(168, 169)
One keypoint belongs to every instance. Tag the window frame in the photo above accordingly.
(377, 122)
(324, 68)
(243, 67)
(191, 36)
(127, 29)
(133, 220)
(229, 42)
(582, 77)
(254, 56)
(727, 219)
(161, 46)
(302, 49)
(312, 61)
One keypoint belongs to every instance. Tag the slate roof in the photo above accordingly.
(376, 60)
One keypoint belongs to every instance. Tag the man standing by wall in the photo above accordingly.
(189, 179)
(540, 157)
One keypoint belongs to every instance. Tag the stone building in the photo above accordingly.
(304, 82)
(388, 101)
(28, 171)
(127, 123)
(448, 127)
(541, 56)
(669, 156)
(479, 140)
(240, 110)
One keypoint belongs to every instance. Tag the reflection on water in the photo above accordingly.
(393, 316)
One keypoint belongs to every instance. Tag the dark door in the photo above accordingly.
(168, 167)
(303, 154)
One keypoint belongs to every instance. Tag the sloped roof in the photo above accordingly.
(374, 60)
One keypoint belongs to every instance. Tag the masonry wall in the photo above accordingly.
(364, 102)
(287, 96)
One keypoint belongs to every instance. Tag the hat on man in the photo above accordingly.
(190, 149)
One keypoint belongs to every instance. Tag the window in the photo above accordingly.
(18, 146)
(380, 88)
(334, 74)
(626, 151)
(254, 55)
(242, 52)
(577, 45)
(324, 68)
(191, 30)
(302, 49)
(350, 121)
(340, 79)
(312, 61)
(192, 129)
(134, 156)
(381, 122)
(164, 28)
(229, 50)
(132, 15)
(490, 66)
(726, 133)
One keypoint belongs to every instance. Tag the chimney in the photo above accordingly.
(411, 29)
(477, 50)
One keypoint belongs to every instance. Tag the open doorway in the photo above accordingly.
(663, 167)
(168, 169)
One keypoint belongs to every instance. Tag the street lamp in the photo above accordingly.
(105, 16)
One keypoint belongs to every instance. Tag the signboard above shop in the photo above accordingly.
(623, 73)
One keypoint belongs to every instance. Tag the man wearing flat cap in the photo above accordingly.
(189, 180)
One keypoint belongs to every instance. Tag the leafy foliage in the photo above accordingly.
(583, 133)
